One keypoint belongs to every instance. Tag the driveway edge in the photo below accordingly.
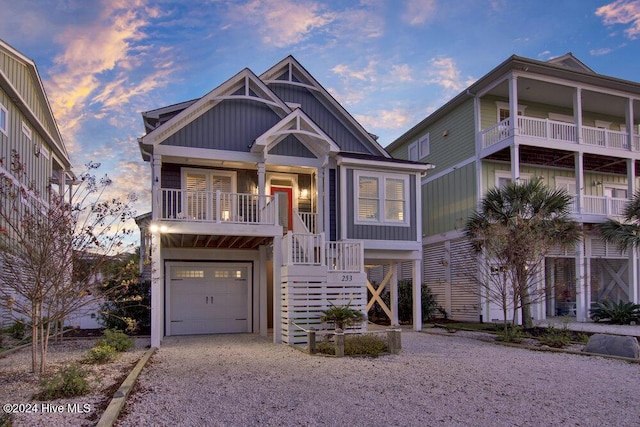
(110, 415)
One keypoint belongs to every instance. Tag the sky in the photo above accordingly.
(390, 63)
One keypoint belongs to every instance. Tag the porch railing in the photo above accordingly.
(310, 221)
(217, 206)
(558, 131)
(606, 206)
(312, 249)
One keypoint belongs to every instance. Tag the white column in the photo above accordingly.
(324, 204)
(262, 293)
(157, 288)
(630, 124)
(579, 172)
(581, 281)
(515, 162)
(577, 113)
(394, 293)
(156, 185)
(417, 295)
(634, 286)
(261, 185)
(513, 104)
(320, 200)
(277, 289)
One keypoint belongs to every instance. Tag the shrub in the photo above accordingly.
(17, 329)
(621, 313)
(342, 316)
(555, 338)
(511, 334)
(405, 303)
(356, 345)
(116, 339)
(101, 353)
(69, 382)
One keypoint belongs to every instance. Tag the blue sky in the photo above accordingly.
(389, 62)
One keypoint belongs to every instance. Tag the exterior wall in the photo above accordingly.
(290, 146)
(232, 125)
(377, 231)
(449, 200)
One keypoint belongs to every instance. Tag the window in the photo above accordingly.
(504, 177)
(381, 198)
(503, 110)
(4, 120)
(201, 186)
(413, 151)
(617, 192)
(26, 130)
(419, 149)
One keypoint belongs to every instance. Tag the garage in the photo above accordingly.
(208, 298)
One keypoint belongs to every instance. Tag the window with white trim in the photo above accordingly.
(424, 146)
(413, 151)
(381, 198)
(616, 191)
(201, 186)
(504, 111)
(504, 177)
(4, 120)
(26, 130)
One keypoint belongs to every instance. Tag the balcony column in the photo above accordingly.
(582, 278)
(156, 164)
(513, 105)
(320, 203)
(579, 172)
(417, 294)
(394, 294)
(261, 185)
(277, 289)
(577, 113)
(515, 162)
(157, 291)
(629, 118)
(634, 286)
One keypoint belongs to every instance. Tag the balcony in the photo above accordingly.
(305, 249)
(597, 206)
(559, 131)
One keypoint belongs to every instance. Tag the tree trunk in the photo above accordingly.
(525, 298)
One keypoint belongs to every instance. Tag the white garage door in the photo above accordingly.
(209, 299)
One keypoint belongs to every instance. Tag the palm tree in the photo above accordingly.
(517, 225)
(626, 234)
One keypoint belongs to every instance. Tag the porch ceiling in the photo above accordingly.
(549, 157)
(213, 241)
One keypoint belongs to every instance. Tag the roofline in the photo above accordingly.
(514, 62)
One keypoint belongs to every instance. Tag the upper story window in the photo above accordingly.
(4, 120)
(381, 198)
(504, 177)
(200, 197)
(420, 148)
(503, 110)
(26, 130)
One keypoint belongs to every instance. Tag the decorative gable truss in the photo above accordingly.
(244, 85)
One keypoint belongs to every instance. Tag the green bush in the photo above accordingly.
(102, 353)
(355, 345)
(405, 304)
(17, 329)
(342, 316)
(513, 333)
(556, 338)
(621, 313)
(69, 382)
(116, 339)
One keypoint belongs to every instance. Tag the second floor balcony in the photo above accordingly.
(600, 208)
(557, 131)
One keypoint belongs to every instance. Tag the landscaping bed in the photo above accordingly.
(18, 386)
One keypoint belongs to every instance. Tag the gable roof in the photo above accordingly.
(291, 72)
(570, 61)
(49, 131)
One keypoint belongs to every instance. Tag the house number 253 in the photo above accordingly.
(347, 278)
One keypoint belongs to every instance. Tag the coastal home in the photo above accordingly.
(558, 121)
(270, 202)
(28, 129)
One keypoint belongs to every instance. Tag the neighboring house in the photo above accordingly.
(270, 201)
(28, 128)
(559, 121)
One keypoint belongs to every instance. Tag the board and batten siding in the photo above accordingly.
(232, 125)
(449, 200)
(343, 133)
(376, 231)
(291, 146)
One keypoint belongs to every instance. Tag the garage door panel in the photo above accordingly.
(209, 300)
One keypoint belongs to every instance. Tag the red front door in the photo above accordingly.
(285, 205)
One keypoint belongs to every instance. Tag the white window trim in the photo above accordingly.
(382, 177)
(413, 151)
(209, 173)
(26, 130)
(564, 181)
(507, 174)
(4, 111)
(615, 186)
(501, 105)
(424, 145)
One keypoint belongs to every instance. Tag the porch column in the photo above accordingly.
(630, 124)
(513, 104)
(577, 113)
(515, 162)
(157, 281)
(417, 294)
(261, 185)
(320, 202)
(579, 172)
(156, 206)
(277, 289)
(581, 283)
(394, 293)
(263, 321)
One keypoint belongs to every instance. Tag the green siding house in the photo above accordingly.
(558, 121)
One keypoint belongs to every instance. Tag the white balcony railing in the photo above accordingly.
(558, 131)
(312, 249)
(605, 206)
(216, 206)
(309, 220)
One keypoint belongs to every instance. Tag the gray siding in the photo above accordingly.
(291, 146)
(344, 134)
(333, 205)
(379, 232)
(231, 125)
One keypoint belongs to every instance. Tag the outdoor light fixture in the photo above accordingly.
(154, 228)
(304, 193)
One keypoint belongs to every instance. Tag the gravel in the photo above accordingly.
(448, 379)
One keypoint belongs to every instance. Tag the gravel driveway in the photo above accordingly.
(243, 380)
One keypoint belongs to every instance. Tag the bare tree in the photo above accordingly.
(53, 248)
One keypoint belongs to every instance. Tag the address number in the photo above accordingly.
(347, 278)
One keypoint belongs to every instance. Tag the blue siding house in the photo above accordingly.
(270, 203)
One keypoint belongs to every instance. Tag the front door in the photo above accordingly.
(285, 205)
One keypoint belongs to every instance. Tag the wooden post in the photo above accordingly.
(394, 340)
(311, 339)
(339, 342)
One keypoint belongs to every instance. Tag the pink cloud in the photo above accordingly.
(626, 12)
